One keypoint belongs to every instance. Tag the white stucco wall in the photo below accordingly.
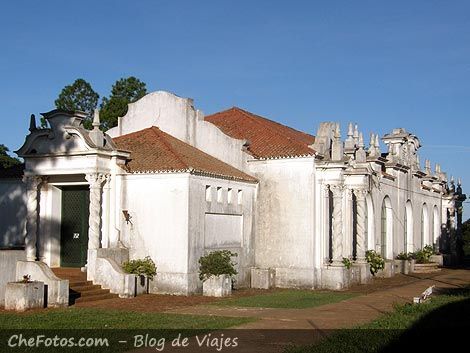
(158, 205)
(12, 212)
(285, 219)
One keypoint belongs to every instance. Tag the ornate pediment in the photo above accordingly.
(66, 136)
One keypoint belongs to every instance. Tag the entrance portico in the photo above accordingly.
(69, 164)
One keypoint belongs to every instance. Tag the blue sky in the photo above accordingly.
(382, 64)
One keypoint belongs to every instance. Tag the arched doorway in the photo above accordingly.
(386, 248)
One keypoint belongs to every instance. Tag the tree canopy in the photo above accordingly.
(5, 160)
(78, 96)
(124, 91)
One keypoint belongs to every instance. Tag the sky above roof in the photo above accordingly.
(381, 64)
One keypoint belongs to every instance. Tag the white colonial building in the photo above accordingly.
(173, 184)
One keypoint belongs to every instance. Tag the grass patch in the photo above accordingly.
(396, 331)
(84, 318)
(111, 325)
(288, 299)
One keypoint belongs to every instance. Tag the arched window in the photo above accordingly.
(386, 245)
(436, 226)
(408, 238)
(383, 234)
(425, 237)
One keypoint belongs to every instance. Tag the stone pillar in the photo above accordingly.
(95, 180)
(348, 220)
(361, 240)
(337, 225)
(32, 184)
(325, 221)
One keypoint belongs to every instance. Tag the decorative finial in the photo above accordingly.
(361, 140)
(337, 131)
(32, 123)
(350, 130)
(356, 133)
(96, 119)
(459, 182)
(427, 166)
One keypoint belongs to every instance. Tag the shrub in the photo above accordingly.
(347, 262)
(404, 256)
(423, 256)
(217, 263)
(142, 267)
(375, 261)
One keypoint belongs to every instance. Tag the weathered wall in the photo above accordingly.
(158, 205)
(8, 259)
(285, 219)
(12, 212)
(221, 215)
(178, 117)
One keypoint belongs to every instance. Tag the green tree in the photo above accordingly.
(466, 237)
(78, 96)
(124, 91)
(5, 160)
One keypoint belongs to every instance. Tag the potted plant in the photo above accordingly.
(404, 262)
(216, 271)
(423, 260)
(375, 261)
(144, 269)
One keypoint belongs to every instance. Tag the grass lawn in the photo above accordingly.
(84, 318)
(112, 325)
(289, 299)
(443, 316)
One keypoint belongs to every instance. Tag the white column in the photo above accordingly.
(337, 242)
(325, 221)
(105, 242)
(348, 223)
(32, 184)
(361, 241)
(95, 180)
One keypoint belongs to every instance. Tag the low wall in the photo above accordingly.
(110, 276)
(57, 289)
(8, 259)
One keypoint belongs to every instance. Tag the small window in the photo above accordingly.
(208, 193)
(240, 197)
(229, 195)
(219, 194)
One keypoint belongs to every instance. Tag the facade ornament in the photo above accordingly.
(361, 241)
(32, 123)
(349, 143)
(372, 145)
(377, 145)
(356, 134)
(32, 185)
(427, 167)
(95, 180)
(337, 146)
(337, 224)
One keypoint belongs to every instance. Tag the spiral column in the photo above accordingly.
(95, 180)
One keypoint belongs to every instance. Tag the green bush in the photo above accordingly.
(375, 261)
(423, 256)
(217, 263)
(347, 262)
(145, 267)
(404, 256)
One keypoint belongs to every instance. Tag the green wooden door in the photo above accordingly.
(74, 226)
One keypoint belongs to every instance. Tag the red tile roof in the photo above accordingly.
(267, 139)
(153, 150)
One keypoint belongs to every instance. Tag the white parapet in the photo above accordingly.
(57, 289)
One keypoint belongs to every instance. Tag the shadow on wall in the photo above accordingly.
(12, 213)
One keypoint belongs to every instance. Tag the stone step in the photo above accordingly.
(89, 286)
(80, 289)
(82, 283)
(96, 297)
